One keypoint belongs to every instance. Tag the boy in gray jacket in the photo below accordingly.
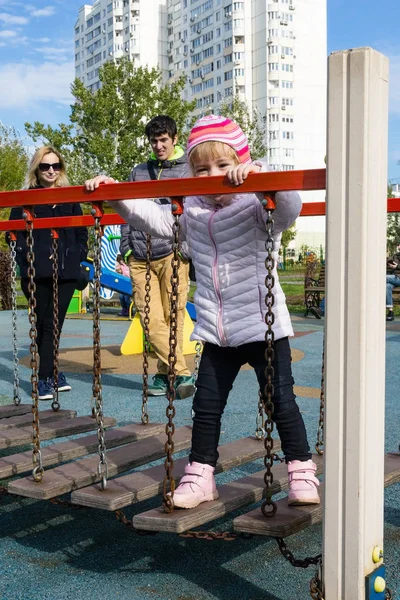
(166, 161)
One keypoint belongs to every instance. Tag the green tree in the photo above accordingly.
(106, 130)
(252, 123)
(13, 159)
(288, 235)
(13, 165)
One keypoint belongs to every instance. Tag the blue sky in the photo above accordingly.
(36, 57)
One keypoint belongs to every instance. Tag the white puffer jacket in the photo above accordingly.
(227, 246)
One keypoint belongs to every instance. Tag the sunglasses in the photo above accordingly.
(46, 166)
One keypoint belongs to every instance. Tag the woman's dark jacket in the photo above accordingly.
(72, 243)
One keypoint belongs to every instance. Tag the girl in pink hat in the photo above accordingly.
(226, 235)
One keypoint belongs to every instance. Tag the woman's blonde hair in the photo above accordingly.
(211, 150)
(32, 179)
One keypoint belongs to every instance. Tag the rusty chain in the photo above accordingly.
(269, 507)
(319, 446)
(177, 209)
(38, 470)
(316, 584)
(226, 536)
(14, 313)
(55, 405)
(65, 503)
(122, 518)
(146, 340)
(97, 386)
(302, 563)
(260, 420)
(388, 594)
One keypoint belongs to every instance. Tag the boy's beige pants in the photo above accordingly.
(160, 294)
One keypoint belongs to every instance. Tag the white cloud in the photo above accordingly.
(13, 20)
(31, 84)
(7, 33)
(50, 51)
(47, 11)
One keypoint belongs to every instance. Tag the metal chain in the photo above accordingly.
(97, 386)
(14, 313)
(146, 340)
(260, 420)
(388, 594)
(302, 563)
(122, 518)
(38, 469)
(169, 481)
(269, 507)
(319, 446)
(65, 503)
(226, 536)
(316, 584)
(55, 405)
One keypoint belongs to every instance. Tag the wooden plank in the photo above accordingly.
(45, 416)
(72, 476)
(232, 496)
(287, 521)
(292, 519)
(135, 487)
(23, 435)
(12, 410)
(314, 289)
(16, 464)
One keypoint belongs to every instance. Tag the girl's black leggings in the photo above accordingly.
(219, 367)
(44, 314)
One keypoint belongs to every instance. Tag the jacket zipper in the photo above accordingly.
(220, 327)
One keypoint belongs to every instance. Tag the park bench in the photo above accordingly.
(314, 290)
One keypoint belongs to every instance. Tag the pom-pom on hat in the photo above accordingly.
(215, 128)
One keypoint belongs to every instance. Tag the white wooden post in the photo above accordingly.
(355, 315)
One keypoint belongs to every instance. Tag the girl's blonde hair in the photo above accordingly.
(32, 179)
(211, 150)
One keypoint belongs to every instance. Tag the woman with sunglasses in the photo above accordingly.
(47, 170)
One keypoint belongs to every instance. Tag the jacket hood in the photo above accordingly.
(178, 157)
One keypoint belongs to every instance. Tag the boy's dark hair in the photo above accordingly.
(159, 125)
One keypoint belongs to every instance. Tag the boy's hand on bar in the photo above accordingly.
(93, 184)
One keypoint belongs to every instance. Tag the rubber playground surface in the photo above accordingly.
(52, 552)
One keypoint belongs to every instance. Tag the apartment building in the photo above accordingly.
(110, 30)
(271, 53)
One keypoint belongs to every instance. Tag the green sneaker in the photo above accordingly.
(159, 386)
(184, 386)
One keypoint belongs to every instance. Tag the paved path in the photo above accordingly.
(51, 553)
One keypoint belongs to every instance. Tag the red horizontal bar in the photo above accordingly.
(309, 209)
(194, 186)
(59, 222)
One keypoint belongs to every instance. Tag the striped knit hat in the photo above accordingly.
(215, 128)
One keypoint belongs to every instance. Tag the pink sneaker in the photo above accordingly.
(196, 486)
(302, 482)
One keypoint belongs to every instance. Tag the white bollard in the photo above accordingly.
(355, 318)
